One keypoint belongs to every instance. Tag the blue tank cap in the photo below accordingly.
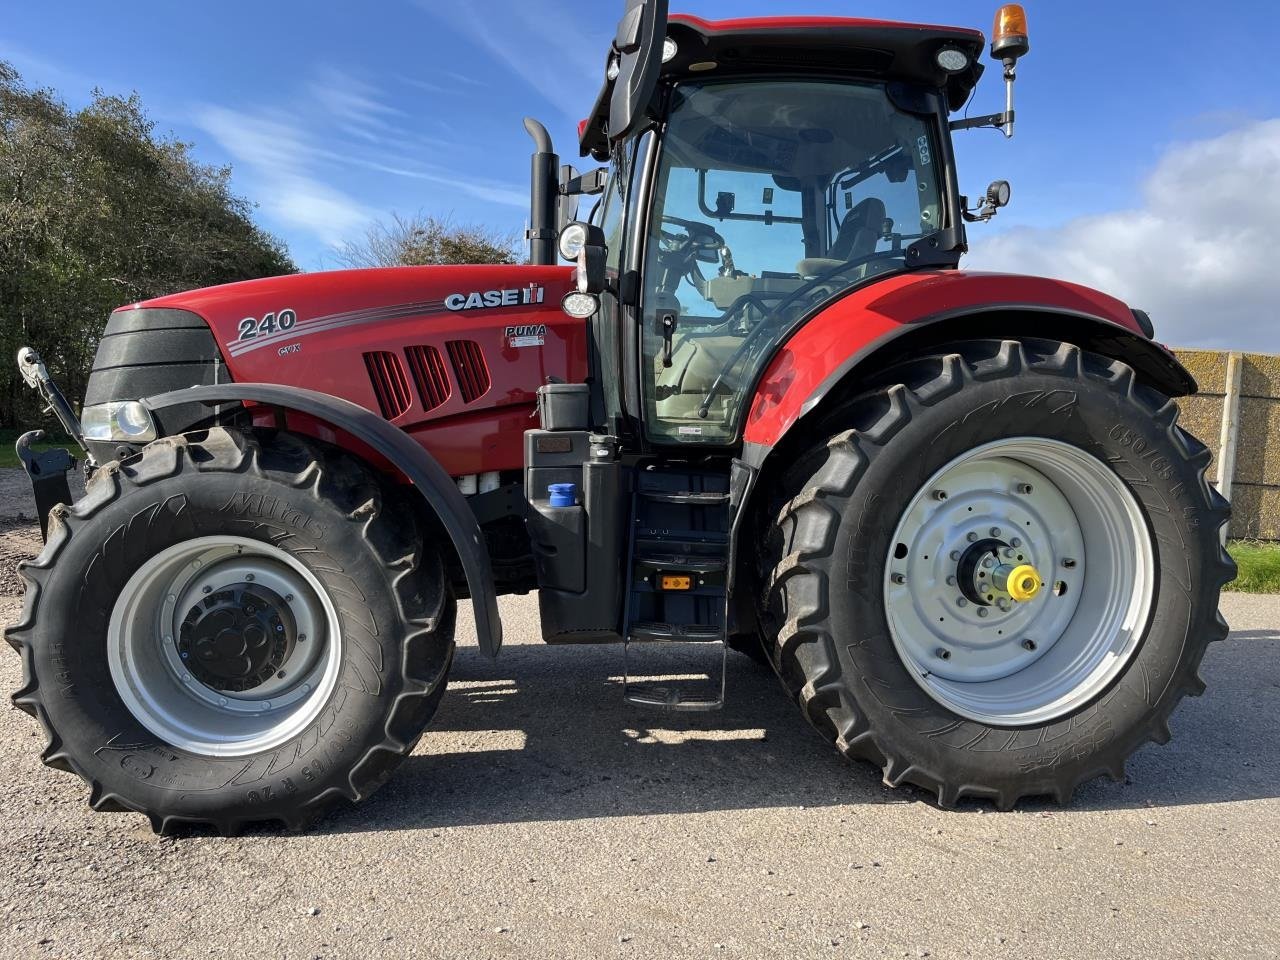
(563, 494)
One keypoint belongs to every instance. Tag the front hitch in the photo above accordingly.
(47, 470)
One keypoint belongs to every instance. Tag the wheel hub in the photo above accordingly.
(1018, 580)
(224, 646)
(238, 638)
(995, 573)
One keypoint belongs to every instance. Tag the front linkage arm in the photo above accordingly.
(47, 469)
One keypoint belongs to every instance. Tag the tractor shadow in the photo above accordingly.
(543, 734)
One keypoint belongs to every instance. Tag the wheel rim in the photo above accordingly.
(976, 633)
(224, 646)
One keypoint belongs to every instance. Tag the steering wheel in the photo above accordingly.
(698, 236)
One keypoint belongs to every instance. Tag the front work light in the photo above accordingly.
(1009, 38)
(126, 421)
(580, 305)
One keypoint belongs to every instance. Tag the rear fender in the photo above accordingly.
(396, 447)
(855, 338)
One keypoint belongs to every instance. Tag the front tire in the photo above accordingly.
(233, 628)
(875, 586)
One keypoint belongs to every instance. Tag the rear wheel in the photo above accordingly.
(998, 574)
(230, 629)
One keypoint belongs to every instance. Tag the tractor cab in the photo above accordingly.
(758, 169)
(758, 172)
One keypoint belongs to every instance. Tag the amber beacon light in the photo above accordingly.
(1009, 38)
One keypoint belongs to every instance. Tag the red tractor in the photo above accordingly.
(954, 511)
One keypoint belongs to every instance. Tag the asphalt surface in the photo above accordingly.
(542, 817)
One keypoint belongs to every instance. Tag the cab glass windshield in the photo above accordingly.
(770, 198)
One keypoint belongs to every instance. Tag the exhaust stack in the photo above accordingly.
(544, 190)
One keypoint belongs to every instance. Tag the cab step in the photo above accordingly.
(677, 601)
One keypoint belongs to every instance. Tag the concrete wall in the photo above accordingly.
(1255, 489)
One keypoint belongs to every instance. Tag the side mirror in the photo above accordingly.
(567, 202)
(584, 244)
(638, 45)
(574, 186)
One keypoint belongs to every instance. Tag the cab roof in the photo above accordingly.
(881, 49)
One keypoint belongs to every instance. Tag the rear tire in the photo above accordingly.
(121, 691)
(832, 579)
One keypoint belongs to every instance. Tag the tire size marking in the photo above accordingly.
(251, 327)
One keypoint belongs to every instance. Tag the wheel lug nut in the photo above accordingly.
(207, 589)
(943, 653)
(1028, 644)
(972, 537)
(983, 612)
(961, 602)
(249, 577)
(951, 581)
(302, 637)
(955, 554)
(1002, 603)
(1015, 542)
(995, 531)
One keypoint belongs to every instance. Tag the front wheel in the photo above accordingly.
(997, 575)
(232, 628)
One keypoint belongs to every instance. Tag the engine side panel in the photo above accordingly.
(822, 348)
(451, 355)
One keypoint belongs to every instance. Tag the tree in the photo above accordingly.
(96, 211)
(423, 240)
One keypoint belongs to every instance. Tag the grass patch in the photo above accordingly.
(1259, 566)
(9, 456)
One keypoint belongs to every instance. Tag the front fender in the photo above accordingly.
(428, 477)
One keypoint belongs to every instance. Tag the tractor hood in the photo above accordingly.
(457, 349)
(300, 314)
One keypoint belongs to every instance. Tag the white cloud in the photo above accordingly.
(1200, 251)
(544, 44)
(275, 153)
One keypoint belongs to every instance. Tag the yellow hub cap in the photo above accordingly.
(1024, 582)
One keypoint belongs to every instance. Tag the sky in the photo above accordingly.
(1146, 160)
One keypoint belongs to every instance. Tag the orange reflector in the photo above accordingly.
(672, 581)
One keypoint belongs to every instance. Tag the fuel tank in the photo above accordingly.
(451, 355)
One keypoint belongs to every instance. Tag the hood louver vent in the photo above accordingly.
(469, 368)
(389, 383)
(429, 376)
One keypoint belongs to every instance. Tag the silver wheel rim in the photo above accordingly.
(971, 645)
(174, 638)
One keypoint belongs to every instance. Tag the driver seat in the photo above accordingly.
(858, 237)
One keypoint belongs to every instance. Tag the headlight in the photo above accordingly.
(121, 420)
(572, 239)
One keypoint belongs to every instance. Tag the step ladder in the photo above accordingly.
(677, 578)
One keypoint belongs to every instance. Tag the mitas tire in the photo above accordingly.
(830, 574)
(300, 513)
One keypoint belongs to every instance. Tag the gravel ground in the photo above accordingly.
(540, 816)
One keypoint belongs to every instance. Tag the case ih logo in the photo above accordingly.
(495, 298)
